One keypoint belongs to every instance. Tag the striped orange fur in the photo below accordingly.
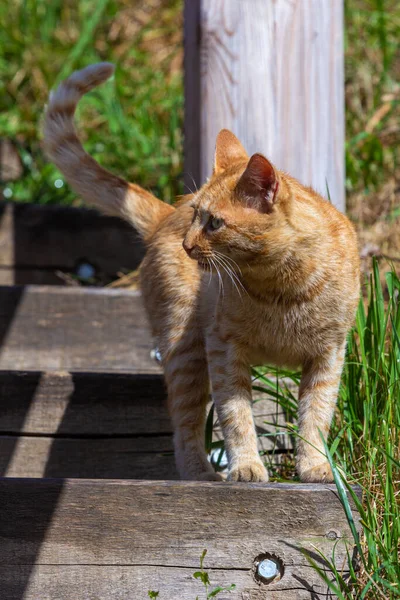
(253, 268)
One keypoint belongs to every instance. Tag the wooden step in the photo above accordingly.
(40, 243)
(118, 539)
(50, 338)
(60, 328)
(61, 424)
(106, 425)
(82, 404)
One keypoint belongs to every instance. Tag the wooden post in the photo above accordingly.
(271, 71)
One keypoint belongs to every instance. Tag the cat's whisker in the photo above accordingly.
(229, 259)
(207, 259)
(210, 273)
(225, 268)
(221, 283)
(190, 190)
(225, 259)
(194, 183)
(231, 274)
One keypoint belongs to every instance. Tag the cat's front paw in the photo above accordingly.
(319, 474)
(248, 471)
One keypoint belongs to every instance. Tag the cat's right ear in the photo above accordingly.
(228, 150)
(258, 186)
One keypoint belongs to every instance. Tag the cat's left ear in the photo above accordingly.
(228, 150)
(258, 186)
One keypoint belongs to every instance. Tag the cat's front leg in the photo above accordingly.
(231, 390)
(317, 400)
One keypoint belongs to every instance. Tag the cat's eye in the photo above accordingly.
(216, 223)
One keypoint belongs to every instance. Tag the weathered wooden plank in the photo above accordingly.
(44, 237)
(111, 457)
(54, 328)
(82, 404)
(25, 276)
(64, 582)
(163, 524)
(106, 458)
(105, 404)
(272, 72)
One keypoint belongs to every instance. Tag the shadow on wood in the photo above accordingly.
(61, 424)
(10, 312)
(40, 243)
(33, 536)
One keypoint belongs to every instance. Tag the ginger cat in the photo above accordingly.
(253, 268)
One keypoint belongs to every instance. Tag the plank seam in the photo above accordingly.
(124, 565)
(85, 436)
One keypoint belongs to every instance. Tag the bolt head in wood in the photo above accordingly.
(333, 534)
(219, 459)
(268, 569)
(85, 271)
(155, 354)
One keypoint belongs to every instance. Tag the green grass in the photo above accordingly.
(132, 124)
(366, 446)
(372, 71)
(364, 443)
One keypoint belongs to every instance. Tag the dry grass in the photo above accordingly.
(373, 126)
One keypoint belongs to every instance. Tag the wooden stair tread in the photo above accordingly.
(60, 328)
(128, 529)
(37, 241)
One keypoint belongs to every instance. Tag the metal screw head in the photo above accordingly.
(268, 569)
(333, 534)
(85, 271)
(155, 354)
(219, 458)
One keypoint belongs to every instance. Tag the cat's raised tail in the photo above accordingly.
(111, 194)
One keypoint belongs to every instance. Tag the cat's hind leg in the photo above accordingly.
(186, 376)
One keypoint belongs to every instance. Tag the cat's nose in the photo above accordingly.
(187, 247)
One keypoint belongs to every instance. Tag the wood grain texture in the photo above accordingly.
(140, 529)
(67, 582)
(43, 239)
(78, 404)
(104, 458)
(82, 404)
(272, 72)
(55, 328)
(27, 276)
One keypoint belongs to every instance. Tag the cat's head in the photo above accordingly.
(237, 211)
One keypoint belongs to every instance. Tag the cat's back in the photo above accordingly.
(170, 280)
